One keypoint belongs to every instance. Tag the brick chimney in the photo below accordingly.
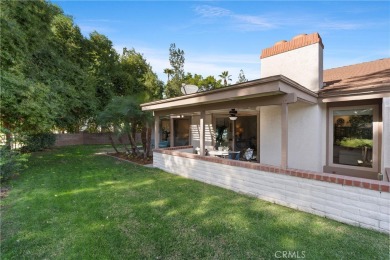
(300, 59)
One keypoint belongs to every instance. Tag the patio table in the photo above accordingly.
(219, 153)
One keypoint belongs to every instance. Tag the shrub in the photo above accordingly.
(12, 162)
(38, 142)
(356, 143)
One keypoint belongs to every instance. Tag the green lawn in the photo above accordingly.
(73, 204)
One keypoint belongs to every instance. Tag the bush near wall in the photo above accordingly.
(90, 138)
(12, 162)
(38, 142)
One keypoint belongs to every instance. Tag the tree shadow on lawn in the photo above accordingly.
(232, 222)
(99, 209)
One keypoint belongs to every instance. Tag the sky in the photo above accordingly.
(219, 36)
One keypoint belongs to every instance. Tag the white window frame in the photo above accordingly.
(375, 136)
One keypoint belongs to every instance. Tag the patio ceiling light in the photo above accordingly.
(233, 114)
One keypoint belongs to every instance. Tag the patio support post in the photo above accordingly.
(202, 132)
(258, 136)
(172, 132)
(284, 159)
(156, 131)
(233, 135)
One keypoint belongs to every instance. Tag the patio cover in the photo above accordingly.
(266, 91)
(274, 90)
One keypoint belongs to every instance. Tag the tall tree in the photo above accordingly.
(71, 67)
(176, 59)
(28, 104)
(135, 83)
(103, 66)
(48, 55)
(225, 77)
(169, 73)
(241, 77)
(53, 77)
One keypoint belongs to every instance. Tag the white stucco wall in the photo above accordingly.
(303, 65)
(386, 134)
(306, 136)
(270, 135)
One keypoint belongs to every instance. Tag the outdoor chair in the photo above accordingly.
(248, 154)
(234, 155)
(163, 144)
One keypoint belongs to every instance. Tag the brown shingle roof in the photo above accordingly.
(298, 41)
(367, 76)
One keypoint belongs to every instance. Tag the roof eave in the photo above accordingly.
(269, 86)
(336, 96)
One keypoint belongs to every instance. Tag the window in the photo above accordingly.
(165, 129)
(353, 140)
(222, 132)
(181, 130)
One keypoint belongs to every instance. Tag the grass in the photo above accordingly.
(73, 204)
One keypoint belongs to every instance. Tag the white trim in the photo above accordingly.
(375, 133)
(351, 97)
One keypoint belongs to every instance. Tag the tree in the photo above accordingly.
(241, 77)
(210, 83)
(225, 77)
(154, 87)
(125, 116)
(28, 104)
(135, 83)
(203, 84)
(169, 73)
(45, 64)
(75, 85)
(52, 77)
(103, 67)
(176, 59)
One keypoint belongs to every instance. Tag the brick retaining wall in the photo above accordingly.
(350, 200)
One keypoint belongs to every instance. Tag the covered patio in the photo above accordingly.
(246, 98)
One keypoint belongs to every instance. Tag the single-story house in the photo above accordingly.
(300, 136)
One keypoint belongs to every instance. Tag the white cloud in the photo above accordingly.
(211, 11)
(239, 21)
(265, 21)
(253, 22)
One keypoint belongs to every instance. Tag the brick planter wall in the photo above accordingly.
(350, 200)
